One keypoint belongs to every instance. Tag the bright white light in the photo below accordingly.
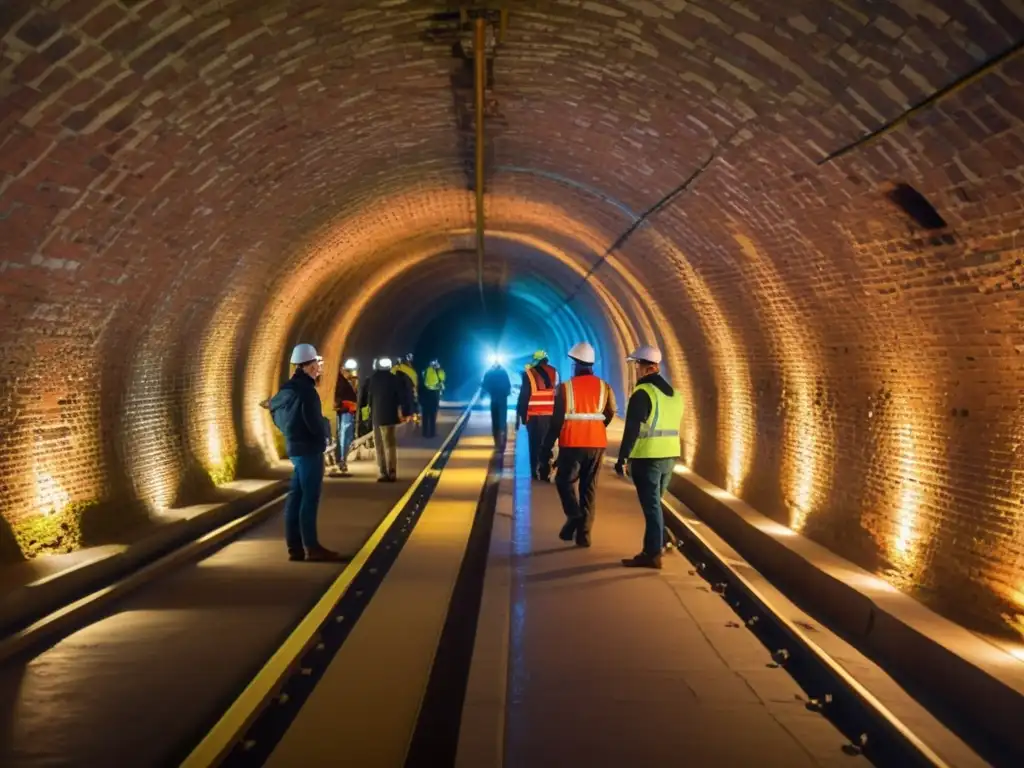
(384, 362)
(351, 364)
(496, 358)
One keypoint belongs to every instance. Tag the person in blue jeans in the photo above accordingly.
(346, 403)
(650, 443)
(297, 412)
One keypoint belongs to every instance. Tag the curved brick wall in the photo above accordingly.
(188, 187)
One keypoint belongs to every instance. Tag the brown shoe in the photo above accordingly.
(323, 555)
(643, 560)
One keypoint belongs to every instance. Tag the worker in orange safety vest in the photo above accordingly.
(535, 408)
(584, 407)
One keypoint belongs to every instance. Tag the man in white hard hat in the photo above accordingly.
(390, 401)
(346, 402)
(650, 443)
(584, 407)
(297, 412)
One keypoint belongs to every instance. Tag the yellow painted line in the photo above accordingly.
(367, 703)
(223, 736)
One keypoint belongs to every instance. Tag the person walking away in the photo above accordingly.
(430, 397)
(346, 403)
(497, 386)
(405, 367)
(387, 396)
(298, 413)
(535, 408)
(650, 443)
(584, 407)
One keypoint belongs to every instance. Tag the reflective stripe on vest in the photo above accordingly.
(585, 400)
(542, 399)
(659, 435)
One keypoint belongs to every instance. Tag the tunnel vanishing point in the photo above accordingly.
(814, 206)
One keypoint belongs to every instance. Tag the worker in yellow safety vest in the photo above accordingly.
(584, 407)
(650, 443)
(430, 397)
(404, 368)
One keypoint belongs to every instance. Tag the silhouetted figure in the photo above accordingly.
(497, 386)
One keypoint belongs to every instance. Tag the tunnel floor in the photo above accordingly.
(613, 667)
(575, 660)
(141, 686)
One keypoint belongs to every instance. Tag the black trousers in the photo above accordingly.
(540, 460)
(430, 400)
(499, 422)
(582, 466)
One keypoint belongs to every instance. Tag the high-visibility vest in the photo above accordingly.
(585, 401)
(408, 371)
(433, 379)
(542, 397)
(659, 435)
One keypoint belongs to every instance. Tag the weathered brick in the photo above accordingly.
(242, 185)
(38, 28)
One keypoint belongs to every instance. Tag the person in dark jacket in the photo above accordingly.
(389, 397)
(345, 406)
(650, 443)
(297, 412)
(497, 386)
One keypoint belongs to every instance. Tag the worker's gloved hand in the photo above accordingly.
(620, 469)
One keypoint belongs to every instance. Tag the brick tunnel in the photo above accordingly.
(813, 207)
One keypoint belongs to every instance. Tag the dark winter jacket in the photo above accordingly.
(638, 411)
(345, 397)
(496, 384)
(297, 412)
(389, 396)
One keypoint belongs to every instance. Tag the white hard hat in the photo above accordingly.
(384, 363)
(648, 354)
(583, 353)
(304, 353)
(351, 364)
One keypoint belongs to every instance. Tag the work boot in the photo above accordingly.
(383, 479)
(323, 555)
(582, 540)
(643, 560)
(568, 531)
(296, 555)
(393, 477)
(344, 467)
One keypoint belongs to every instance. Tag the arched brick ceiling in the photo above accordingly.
(188, 186)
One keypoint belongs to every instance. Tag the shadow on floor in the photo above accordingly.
(576, 570)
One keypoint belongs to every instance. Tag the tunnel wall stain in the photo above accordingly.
(178, 181)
